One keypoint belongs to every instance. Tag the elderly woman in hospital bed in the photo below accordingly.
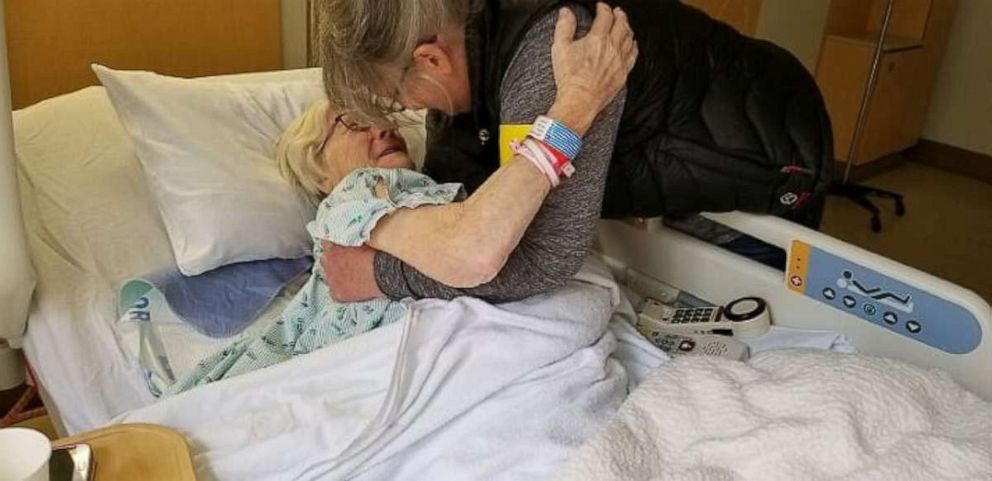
(360, 178)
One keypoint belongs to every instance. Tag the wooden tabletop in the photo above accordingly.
(137, 451)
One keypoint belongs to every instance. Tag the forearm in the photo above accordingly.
(475, 236)
(552, 248)
(523, 276)
(496, 216)
(478, 235)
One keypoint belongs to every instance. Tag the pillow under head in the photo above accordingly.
(207, 147)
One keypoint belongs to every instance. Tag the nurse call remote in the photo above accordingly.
(698, 345)
(745, 318)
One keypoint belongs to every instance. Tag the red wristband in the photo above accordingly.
(562, 164)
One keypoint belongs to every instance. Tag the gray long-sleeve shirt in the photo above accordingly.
(556, 243)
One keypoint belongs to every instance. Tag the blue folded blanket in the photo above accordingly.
(217, 303)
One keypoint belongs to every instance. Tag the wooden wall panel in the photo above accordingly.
(51, 43)
(742, 14)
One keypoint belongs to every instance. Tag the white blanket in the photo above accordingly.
(792, 415)
(458, 390)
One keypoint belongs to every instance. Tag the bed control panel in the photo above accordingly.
(882, 300)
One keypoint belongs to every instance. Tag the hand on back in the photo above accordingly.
(591, 70)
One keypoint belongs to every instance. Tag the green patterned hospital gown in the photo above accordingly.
(314, 320)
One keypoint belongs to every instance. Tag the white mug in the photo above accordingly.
(24, 455)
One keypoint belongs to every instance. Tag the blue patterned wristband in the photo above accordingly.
(557, 135)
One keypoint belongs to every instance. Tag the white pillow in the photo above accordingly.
(207, 147)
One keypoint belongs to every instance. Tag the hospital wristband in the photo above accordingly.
(561, 163)
(529, 150)
(551, 163)
(542, 159)
(557, 136)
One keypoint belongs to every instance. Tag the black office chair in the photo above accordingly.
(859, 194)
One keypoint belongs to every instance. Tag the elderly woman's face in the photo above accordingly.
(352, 146)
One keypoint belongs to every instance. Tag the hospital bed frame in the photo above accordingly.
(951, 322)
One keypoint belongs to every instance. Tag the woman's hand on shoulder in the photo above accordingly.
(591, 71)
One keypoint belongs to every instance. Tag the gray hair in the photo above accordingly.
(359, 40)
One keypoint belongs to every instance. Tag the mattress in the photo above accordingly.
(91, 223)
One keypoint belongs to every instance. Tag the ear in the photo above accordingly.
(326, 186)
(431, 57)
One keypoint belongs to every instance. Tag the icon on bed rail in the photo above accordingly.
(902, 303)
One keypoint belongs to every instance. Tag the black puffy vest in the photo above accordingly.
(714, 121)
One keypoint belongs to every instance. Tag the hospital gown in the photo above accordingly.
(314, 320)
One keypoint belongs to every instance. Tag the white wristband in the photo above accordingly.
(531, 151)
(557, 135)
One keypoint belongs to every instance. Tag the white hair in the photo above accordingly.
(298, 152)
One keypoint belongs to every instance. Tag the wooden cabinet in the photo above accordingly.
(891, 126)
(911, 57)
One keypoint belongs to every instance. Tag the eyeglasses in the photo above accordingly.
(348, 123)
(351, 124)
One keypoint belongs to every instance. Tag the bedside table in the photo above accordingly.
(137, 451)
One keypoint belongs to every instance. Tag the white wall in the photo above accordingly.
(796, 25)
(961, 108)
(294, 34)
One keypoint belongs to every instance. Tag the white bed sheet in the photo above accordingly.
(456, 390)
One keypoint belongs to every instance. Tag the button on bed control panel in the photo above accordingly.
(850, 302)
(881, 300)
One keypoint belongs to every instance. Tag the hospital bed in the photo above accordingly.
(90, 224)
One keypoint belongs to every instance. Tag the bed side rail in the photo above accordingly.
(885, 308)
